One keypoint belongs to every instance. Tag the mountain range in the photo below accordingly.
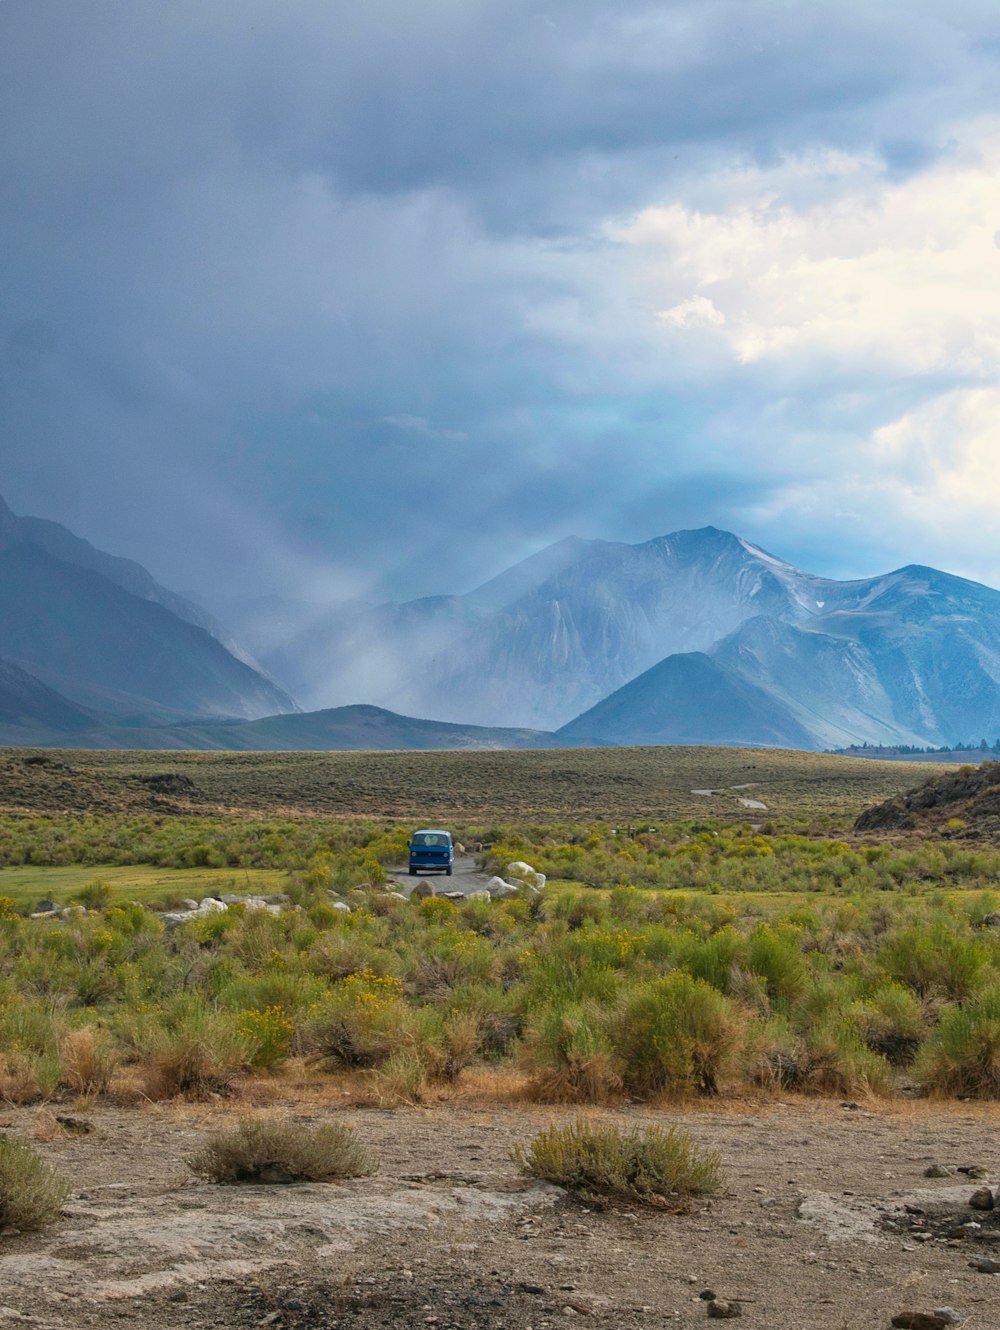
(694, 637)
(102, 634)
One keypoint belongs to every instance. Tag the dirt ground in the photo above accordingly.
(810, 1231)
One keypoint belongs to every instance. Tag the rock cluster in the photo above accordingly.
(217, 904)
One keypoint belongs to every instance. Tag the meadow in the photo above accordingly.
(690, 955)
(580, 784)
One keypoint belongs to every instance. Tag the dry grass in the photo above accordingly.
(46, 1127)
(277, 1150)
(650, 1165)
(89, 1061)
(31, 1193)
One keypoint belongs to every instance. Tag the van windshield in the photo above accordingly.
(430, 838)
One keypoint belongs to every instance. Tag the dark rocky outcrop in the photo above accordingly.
(969, 798)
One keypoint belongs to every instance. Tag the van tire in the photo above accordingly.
(413, 872)
(447, 871)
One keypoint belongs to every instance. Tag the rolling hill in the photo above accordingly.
(688, 698)
(357, 728)
(104, 635)
(27, 706)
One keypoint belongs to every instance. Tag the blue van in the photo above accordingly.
(431, 850)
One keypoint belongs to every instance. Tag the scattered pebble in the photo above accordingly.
(721, 1311)
(986, 1265)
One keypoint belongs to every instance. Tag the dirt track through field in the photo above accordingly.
(465, 877)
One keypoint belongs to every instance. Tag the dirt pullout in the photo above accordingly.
(811, 1230)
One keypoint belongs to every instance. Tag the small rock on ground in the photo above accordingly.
(721, 1311)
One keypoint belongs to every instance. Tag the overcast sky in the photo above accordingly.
(324, 297)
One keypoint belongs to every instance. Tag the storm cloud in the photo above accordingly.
(326, 300)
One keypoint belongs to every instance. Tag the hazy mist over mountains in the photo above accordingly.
(461, 362)
(695, 637)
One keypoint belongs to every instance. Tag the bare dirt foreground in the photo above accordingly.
(811, 1229)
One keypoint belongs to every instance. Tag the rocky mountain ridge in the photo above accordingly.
(912, 656)
(103, 635)
(694, 637)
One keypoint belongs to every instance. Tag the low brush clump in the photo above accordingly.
(962, 1056)
(31, 1193)
(650, 1166)
(278, 1151)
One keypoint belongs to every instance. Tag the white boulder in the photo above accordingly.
(525, 873)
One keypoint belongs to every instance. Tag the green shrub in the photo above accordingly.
(95, 895)
(653, 1166)
(934, 960)
(278, 1151)
(891, 1022)
(268, 1033)
(673, 1034)
(773, 1055)
(296, 994)
(962, 1056)
(31, 1193)
(401, 1079)
(345, 951)
(497, 1024)
(775, 954)
(30, 1065)
(716, 959)
(363, 1022)
(450, 958)
(29, 1077)
(197, 1053)
(823, 1059)
(837, 1061)
(569, 1056)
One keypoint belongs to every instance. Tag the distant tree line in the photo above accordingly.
(908, 750)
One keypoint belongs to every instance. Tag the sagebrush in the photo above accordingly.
(272, 1150)
(656, 1166)
(31, 1193)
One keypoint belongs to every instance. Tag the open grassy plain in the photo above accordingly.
(580, 784)
(26, 885)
